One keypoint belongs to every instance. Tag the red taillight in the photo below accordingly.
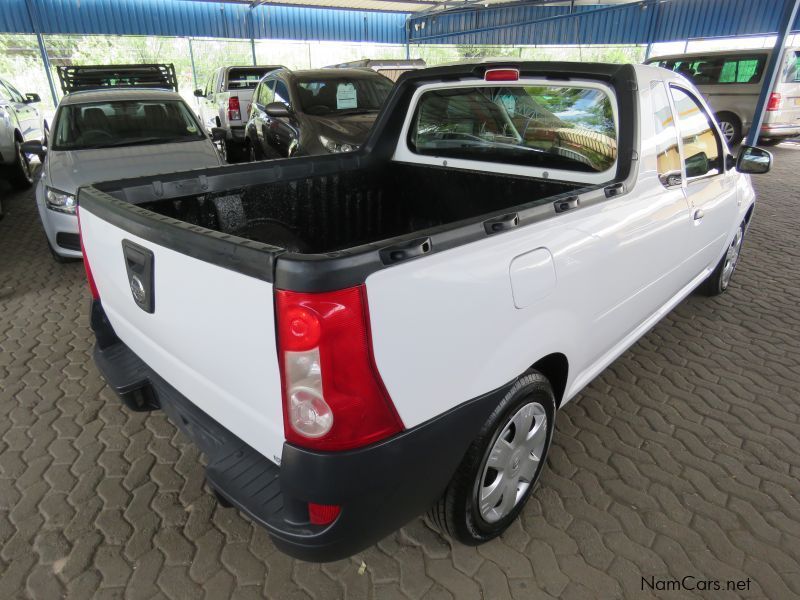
(322, 514)
(86, 266)
(234, 113)
(501, 75)
(775, 101)
(333, 396)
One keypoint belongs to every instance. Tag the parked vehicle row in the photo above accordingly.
(395, 327)
(225, 103)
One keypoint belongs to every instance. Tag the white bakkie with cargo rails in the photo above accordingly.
(354, 339)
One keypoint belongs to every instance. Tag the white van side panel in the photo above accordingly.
(212, 335)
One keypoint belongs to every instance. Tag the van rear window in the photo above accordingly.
(560, 127)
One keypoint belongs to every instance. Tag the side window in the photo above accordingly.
(4, 93)
(282, 93)
(668, 157)
(792, 66)
(15, 95)
(702, 148)
(267, 92)
(742, 69)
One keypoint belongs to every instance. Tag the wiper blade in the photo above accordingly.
(142, 141)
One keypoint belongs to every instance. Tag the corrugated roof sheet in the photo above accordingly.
(203, 19)
(633, 23)
(511, 23)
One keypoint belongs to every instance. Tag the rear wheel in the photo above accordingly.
(501, 467)
(720, 278)
(731, 127)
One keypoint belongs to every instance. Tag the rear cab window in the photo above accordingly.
(530, 128)
(245, 78)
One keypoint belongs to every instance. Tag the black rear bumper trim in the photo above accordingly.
(379, 487)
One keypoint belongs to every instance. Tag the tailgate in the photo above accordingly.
(211, 332)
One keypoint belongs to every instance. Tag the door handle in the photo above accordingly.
(698, 214)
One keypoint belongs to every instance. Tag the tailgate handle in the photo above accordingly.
(402, 252)
(139, 265)
(501, 223)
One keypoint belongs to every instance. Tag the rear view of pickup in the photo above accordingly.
(354, 339)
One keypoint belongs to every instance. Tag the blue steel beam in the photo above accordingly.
(37, 28)
(773, 69)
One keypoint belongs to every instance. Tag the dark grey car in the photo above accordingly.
(320, 111)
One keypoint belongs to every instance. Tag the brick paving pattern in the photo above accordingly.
(681, 459)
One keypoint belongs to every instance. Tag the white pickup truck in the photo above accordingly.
(352, 339)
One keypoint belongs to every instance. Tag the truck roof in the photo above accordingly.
(110, 94)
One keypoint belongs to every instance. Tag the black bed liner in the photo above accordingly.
(116, 201)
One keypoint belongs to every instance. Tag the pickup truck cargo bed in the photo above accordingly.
(324, 213)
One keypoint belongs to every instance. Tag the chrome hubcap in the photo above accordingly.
(731, 258)
(513, 462)
(727, 130)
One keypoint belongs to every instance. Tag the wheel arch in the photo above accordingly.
(555, 367)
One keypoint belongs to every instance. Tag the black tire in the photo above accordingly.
(457, 512)
(20, 174)
(731, 127)
(719, 280)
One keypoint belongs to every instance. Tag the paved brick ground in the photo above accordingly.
(681, 459)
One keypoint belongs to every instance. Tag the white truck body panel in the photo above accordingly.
(212, 335)
(446, 328)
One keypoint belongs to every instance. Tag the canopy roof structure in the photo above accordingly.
(479, 22)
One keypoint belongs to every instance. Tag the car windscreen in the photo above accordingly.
(561, 127)
(342, 95)
(246, 78)
(124, 123)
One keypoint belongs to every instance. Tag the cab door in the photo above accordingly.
(709, 185)
(28, 118)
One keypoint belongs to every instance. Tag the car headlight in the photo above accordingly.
(336, 147)
(60, 201)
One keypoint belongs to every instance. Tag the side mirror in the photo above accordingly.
(697, 165)
(33, 147)
(218, 134)
(32, 98)
(277, 109)
(753, 160)
(199, 94)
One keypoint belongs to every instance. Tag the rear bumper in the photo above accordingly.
(783, 130)
(379, 488)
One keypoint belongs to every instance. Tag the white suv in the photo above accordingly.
(20, 122)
